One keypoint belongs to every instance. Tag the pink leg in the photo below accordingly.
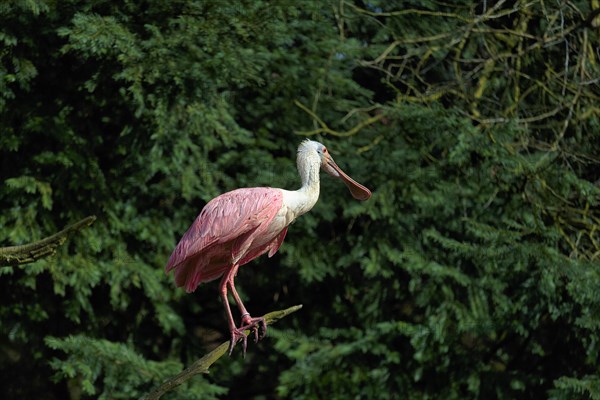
(254, 324)
(236, 334)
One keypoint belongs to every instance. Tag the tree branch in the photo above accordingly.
(27, 253)
(324, 129)
(201, 366)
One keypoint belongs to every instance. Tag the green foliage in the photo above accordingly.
(471, 273)
(124, 373)
(568, 388)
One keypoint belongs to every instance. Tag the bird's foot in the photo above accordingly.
(236, 336)
(256, 325)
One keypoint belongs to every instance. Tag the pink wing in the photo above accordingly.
(221, 232)
(271, 247)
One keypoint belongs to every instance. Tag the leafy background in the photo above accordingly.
(471, 273)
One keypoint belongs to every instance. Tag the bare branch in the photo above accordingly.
(324, 129)
(28, 253)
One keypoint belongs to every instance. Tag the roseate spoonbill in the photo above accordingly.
(238, 226)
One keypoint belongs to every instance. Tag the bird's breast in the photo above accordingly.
(298, 202)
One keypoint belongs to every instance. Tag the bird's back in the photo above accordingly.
(207, 249)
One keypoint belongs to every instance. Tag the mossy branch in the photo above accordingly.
(27, 253)
(201, 366)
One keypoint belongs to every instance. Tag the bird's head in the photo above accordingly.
(358, 191)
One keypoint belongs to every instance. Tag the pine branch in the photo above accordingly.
(27, 253)
(201, 366)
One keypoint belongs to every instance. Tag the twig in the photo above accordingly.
(408, 11)
(324, 129)
(201, 366)
(27, 253)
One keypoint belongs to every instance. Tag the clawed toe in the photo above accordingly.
(256, 325)
(236, 336)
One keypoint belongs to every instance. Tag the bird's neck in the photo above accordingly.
(308, 167)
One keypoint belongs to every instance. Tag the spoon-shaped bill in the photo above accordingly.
(358, 191)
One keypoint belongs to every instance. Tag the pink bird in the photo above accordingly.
(238, 226)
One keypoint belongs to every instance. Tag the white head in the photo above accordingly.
(317, 151)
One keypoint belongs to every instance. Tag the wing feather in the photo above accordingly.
(224, 219)
(276, 243)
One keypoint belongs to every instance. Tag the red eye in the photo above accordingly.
(324, 150)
